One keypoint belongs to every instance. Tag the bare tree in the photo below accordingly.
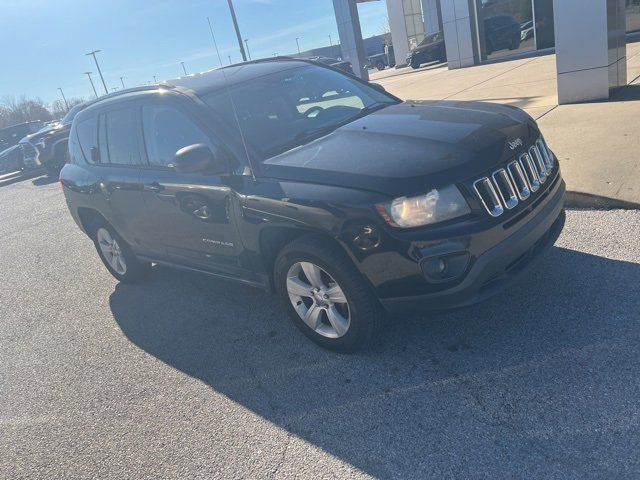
(59, 109)
(18, 110)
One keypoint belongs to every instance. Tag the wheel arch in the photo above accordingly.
(88, 218)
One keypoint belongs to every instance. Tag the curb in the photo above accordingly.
(597, 202)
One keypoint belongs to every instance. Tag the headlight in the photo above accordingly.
(436, 206)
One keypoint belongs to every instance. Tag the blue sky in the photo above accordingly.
(43, 42)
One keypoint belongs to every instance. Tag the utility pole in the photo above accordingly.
(66, 104)
(122, 82)
(183, 68)
(93, 54)
(88, 74)
(235, 24)
(246, 42)
(298, 44)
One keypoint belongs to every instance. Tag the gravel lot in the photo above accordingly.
(190, 377)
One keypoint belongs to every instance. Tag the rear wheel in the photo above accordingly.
(327, 298)
(380, 65)
(117, 256)
(415, 64)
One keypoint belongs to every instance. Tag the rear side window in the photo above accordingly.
(167, 130)
(87, 131)
(122, 137)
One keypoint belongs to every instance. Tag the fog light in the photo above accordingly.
(434, 267)
(445, 267)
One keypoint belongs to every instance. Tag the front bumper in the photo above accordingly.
(498, 266)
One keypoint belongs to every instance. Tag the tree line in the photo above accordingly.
(14, 110)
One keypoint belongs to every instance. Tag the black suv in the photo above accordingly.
(298, 178)
(47, 147)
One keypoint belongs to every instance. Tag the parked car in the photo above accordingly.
(430, 49)
(501, 32)
(383, 60)
(48, 147)
(10, 136)
(335, 63)
(11, 160)
(300, 179)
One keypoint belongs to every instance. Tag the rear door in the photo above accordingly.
(189, 215)
(111, 141)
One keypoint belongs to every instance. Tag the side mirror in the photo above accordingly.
(199, 158)
(378, 87)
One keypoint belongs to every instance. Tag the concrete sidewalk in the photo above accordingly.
(598, 144)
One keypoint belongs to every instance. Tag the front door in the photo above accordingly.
(189, 215)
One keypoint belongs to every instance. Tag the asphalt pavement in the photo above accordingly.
(190, 377)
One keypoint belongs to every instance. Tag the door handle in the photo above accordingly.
(152, 187)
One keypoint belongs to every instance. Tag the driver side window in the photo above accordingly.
(167, 130)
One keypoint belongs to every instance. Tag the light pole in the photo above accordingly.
(183, 68)
(235, 24)
(330, 42)
(229, 59)
(88, 74)
(93, 54)
(246, 42)
(298, 44)
(155, 79)
(66, 104)
(122, 82)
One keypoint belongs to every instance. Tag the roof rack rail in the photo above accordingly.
(141, 88)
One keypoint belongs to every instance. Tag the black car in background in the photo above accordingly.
(10, 153)
(294, 177)
(501, 32)
(431, 49)
(335, 63)
(10, 136)
(48, 147)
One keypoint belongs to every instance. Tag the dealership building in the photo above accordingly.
(588, 36)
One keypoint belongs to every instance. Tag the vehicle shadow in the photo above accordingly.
(516, 380)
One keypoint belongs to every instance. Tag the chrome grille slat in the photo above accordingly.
(519, 180)
(505, 188)
(530, 170)
(538, 162)
(488, 196)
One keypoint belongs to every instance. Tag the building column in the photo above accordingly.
(591, 51)
(458, 32)
(351, 43)
(430, 15)
(398, 27)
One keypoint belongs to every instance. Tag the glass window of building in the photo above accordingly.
(506, 27)
(413, 21)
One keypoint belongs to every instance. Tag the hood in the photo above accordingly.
(410, 148)
(46, 131)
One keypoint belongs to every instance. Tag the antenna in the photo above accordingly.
(233, 104)
(215, 44)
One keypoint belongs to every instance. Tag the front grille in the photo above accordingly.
(29, 151)
(505, 188)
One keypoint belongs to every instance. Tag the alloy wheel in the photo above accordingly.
(318, 299)
(111, 251)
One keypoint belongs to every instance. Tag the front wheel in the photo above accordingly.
(117, 256)
(380, 65)
(326, 296)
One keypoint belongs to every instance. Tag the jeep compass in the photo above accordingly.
(304, 180)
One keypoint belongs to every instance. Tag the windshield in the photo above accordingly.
(282, 110)
(68, 118)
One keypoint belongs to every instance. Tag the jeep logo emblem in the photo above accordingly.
(515, 143)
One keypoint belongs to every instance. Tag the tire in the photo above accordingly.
(415, 64)
(380, 65)
(515, 43)
(360, 308)
(134, 270)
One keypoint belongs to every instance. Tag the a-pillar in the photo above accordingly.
(351, 43)
(591, 51)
